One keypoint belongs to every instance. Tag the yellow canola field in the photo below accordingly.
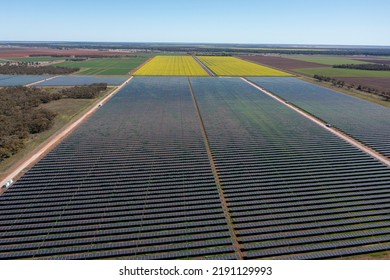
(171, 66)
(232, 66)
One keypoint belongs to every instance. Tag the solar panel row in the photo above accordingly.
(135, 182)
(363, 120)
(291, 186)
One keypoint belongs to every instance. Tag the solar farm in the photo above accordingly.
(182, 165)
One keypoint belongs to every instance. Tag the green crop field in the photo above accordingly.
(105, 66)
(341, 72)
(326, 60)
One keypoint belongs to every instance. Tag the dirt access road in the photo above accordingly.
(57, 138)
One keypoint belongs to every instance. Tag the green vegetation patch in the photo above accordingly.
(341, 72)
(105, 66)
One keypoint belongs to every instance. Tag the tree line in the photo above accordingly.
(24, 69)
(340, 83)
(368, 66)
(21, 115)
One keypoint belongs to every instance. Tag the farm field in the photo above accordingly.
(341, 72)
(136, 181)
(232, 66)
(327, 60)
(105, 66)
(282, 63)
(379, 83)
(376, 60)
(367, 122)
(171, 66)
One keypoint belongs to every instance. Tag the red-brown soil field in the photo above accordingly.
(378, 83)
(25, 52)
(281, 62)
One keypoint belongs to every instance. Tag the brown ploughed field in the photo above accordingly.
(281, 62)
(378, 83)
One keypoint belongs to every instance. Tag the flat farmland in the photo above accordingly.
(232, 66)
(378, 83)
(328, 60)
(341, 72)
(280, 62)
(105, 66)
(171, 66)
(376, 60)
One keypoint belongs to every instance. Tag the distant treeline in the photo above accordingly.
(340, 83)
(21, 117)
(24, 69)
(371, 66)
(213, 48)
(81, 56)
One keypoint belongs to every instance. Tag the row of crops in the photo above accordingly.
(365, 121)
(136, 182)
(189, 66)
(22, 80)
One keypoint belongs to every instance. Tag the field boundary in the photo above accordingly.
(366, 149)
(56, 139)
(208, 70)
(132, 71)
(222, 197)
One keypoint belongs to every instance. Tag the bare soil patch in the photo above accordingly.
(281, 62)
(382, 84)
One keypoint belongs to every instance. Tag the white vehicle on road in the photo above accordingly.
(8, 184)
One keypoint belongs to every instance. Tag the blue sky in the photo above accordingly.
(219, 21)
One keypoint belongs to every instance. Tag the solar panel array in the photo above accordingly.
(19, 80)
(82, 80)
(135, 182)
(132, 182)
(363, 120)
(293, 188)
